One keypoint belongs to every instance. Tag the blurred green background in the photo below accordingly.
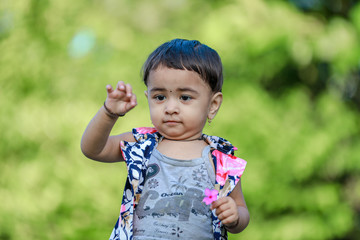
(292, 101)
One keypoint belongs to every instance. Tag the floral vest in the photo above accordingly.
(137, 154)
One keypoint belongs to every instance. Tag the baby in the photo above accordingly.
(172, 164)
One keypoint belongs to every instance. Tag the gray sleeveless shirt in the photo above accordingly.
(171, 204)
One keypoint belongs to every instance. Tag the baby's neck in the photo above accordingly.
(184, 140)
(182, 149)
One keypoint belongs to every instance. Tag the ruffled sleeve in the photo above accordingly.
(228, 167)
(144, 133)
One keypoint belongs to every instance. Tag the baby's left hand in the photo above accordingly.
(226, 210)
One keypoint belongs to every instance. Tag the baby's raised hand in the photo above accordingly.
(226, 210)
(121, 99)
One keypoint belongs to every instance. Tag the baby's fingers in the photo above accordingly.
(125, 89)
(109, 89)
(115, 94)
(128, 90)
(121, 86)
(133, 100)
(228, 216)
(132, 103)
(218, 203)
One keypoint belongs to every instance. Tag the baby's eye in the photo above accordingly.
(185, 98)
(159, 97)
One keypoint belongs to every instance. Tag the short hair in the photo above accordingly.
(190, 55)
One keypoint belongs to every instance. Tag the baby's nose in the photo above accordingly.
(172, 106)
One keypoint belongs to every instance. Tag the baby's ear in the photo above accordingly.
(215, 104)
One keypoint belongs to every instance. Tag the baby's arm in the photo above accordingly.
(96, 142)
(232, 210)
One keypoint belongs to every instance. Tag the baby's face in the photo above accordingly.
(179, 102)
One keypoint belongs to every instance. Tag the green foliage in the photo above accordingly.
(296, 168)
(302, 146)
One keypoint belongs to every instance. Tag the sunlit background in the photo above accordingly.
(292, 102)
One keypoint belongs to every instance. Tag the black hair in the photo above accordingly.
(190, 55)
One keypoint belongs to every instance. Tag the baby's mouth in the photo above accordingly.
(171, 122)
